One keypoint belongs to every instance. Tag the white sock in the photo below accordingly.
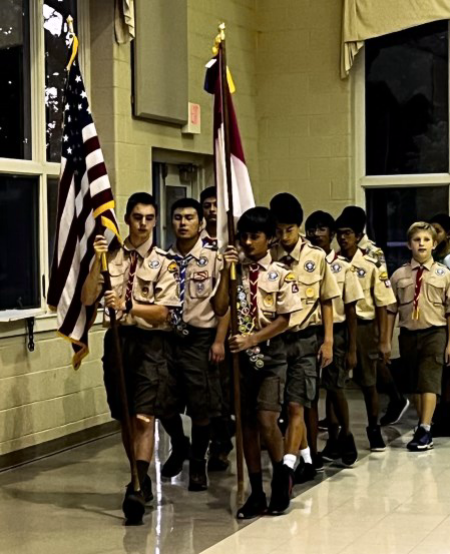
(306, 455)
(426, 427)
(289, 460)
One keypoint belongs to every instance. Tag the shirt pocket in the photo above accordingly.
(309, 284)
(435, 291)
(405, 291)
(267, 298)
(200, 284)
(117, 274)
(144, 285)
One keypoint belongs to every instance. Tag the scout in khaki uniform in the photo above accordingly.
(142, 292)
(372, 339)
(198, 271)
(267, 297)
(221, 427)
(398, 404)
(320, 230)
(422, 293)
(307, 354)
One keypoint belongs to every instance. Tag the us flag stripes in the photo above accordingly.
(85, 208)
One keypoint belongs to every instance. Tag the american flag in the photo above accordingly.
(84, 194)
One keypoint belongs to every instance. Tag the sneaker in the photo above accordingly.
(349, 454)
(318, 463)
(174, 463)
(304, 473)
(282, 484)
(255, 506)
(323, 424)
(376, 441)
(133, 506)
(219, 462)
(395, 411)
(198, 480)
(331, 452)
(146, 489)
(421, 441)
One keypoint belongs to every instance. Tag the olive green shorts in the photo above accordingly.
(335, 375)
(422, 355)
(365, 372)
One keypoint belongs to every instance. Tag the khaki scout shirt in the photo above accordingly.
(315, 280)
(434, 297)
(202, 282)
(278, 292)
(370, 248)
(153, 282)
(349, 286)
(375, 283)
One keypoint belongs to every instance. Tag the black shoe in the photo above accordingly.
(376, 441)
(146, 489)
(318, 463)
(349, 453)
(174, 463)
(255, 506)
(304, 472)
(219, 462)
(198, 480)
(395, 411)
(421, 441)
(133, 506)
(331, 452)
(323, 424)
(282, 484)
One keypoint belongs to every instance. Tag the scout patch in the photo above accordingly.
(336, 268)
(202, 261)
(200, 276)
(361, 272)
(384, 276)
(295, 288)
(272, 276)
(145, 291)
(290, 278)
(440, 271)
(153, 264)
(310, 266)
(173, 267)
(268, 300)
(200, 287)
(310, 292)
(387, 284)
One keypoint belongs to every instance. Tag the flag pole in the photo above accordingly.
(233, 274)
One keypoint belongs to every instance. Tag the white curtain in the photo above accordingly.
(124, 24)
(365, 19)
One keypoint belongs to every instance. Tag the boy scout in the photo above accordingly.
(320, 230)
(208, 200)
(142, 292)
(317, 289)
(372, 338)
(398, 404)
(267, 297)
(198, 270)
(422, 293)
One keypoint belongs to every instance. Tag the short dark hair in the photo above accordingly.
(345, 221)
(140, 198)
(286, 209)
(210, 192)
(443, 220)
(257, 220)
(357, 215)
(187, 203)
(320, 219)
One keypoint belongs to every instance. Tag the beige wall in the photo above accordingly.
(294, 116)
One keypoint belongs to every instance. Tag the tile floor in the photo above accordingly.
(391, 503)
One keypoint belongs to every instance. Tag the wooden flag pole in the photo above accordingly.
(233, 274)
(126, 419)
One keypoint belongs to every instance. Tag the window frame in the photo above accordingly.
(361, 180)
(38, 166)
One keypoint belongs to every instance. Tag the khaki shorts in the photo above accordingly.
(263, 389)
(422, 355)
(335, 375)
(303, 370)
(365, 373)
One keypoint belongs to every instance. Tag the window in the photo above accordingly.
(402, 133)
(31, 59)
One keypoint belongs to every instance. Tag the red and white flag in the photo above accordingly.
(243, 198)
(84, 194)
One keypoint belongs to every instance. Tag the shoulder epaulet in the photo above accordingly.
(160, 251)
(342, 259)
(280, 264)
(369, 258)
(442, 266)
(313, 247)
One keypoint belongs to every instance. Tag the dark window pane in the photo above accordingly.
(391, 211)
(56, 58)
(19, 243)
(15, 114)
(52, 205)
(407, 102)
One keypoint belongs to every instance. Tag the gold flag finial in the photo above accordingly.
(74, 39)
(70, 24)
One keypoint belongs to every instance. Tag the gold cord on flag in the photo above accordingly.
(74, 42)
(217, 42)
